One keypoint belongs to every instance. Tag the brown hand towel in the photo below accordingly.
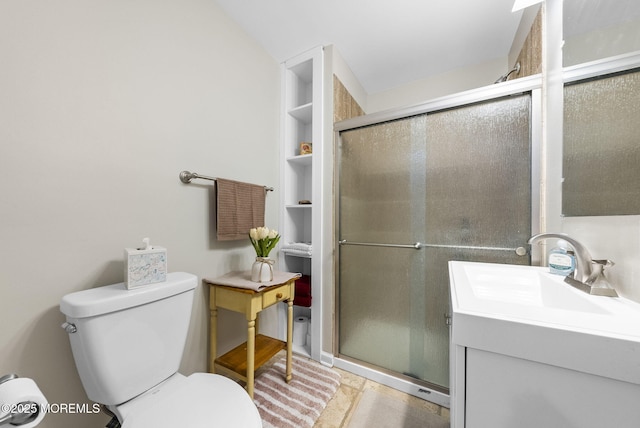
(240, 207)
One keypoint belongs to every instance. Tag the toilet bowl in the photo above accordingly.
(201, 400)
(127, 346)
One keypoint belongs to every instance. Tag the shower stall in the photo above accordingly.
(450, 180)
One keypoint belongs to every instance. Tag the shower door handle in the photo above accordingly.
(415, 246)
(521, 251)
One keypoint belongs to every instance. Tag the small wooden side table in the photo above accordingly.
(242, 361)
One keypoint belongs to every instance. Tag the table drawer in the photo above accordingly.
(273, 296)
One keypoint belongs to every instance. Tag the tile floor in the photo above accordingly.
(339, 410)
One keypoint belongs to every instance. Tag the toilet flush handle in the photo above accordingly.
(69, 327)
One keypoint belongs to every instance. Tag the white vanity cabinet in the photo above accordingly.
(529, 351)
(506, 392)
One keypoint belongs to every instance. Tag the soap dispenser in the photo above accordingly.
(561, 260)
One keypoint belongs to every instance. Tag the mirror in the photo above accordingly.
(601, 146)
(601, 136)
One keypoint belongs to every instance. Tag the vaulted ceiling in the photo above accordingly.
(385, 43)
(388, 43)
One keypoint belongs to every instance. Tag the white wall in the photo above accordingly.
(102, 104)
(602, 43)
(616, 238)
(452, 82)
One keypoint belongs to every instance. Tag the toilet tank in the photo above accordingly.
(127, 341)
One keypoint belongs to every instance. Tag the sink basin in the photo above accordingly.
(526, 287)
(526, 312)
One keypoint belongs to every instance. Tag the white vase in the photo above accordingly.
(262, 270)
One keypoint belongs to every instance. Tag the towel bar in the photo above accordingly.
(186, 177)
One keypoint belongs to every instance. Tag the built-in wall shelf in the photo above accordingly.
(299, 256)
(301, 177)
(301, 350)
(303, 112)
(299, 206)
(302, 160)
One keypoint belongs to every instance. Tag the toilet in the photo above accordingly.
(127, 346)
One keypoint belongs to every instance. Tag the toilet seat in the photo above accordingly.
(201, 400)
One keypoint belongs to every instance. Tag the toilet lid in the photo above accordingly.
(202, 400)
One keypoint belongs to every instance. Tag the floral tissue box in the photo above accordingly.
(145, 266)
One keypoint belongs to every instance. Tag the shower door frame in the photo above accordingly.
(531, 85)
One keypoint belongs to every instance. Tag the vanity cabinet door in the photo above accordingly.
(507, 392)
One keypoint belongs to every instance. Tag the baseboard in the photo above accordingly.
(326, 359)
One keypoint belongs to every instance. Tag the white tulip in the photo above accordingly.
(263, 232)
(253, 233)
(273, 234)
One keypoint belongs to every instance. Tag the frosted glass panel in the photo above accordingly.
(478, 169)
(458, 178)
(382, 181)
(383, 311)
(602, 147)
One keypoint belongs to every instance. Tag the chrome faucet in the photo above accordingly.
(589, 274)
(583, 258)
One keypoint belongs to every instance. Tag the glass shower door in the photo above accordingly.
(414, 194)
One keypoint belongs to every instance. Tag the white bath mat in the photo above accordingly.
(296, 404)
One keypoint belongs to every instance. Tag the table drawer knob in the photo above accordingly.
(279, 296)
